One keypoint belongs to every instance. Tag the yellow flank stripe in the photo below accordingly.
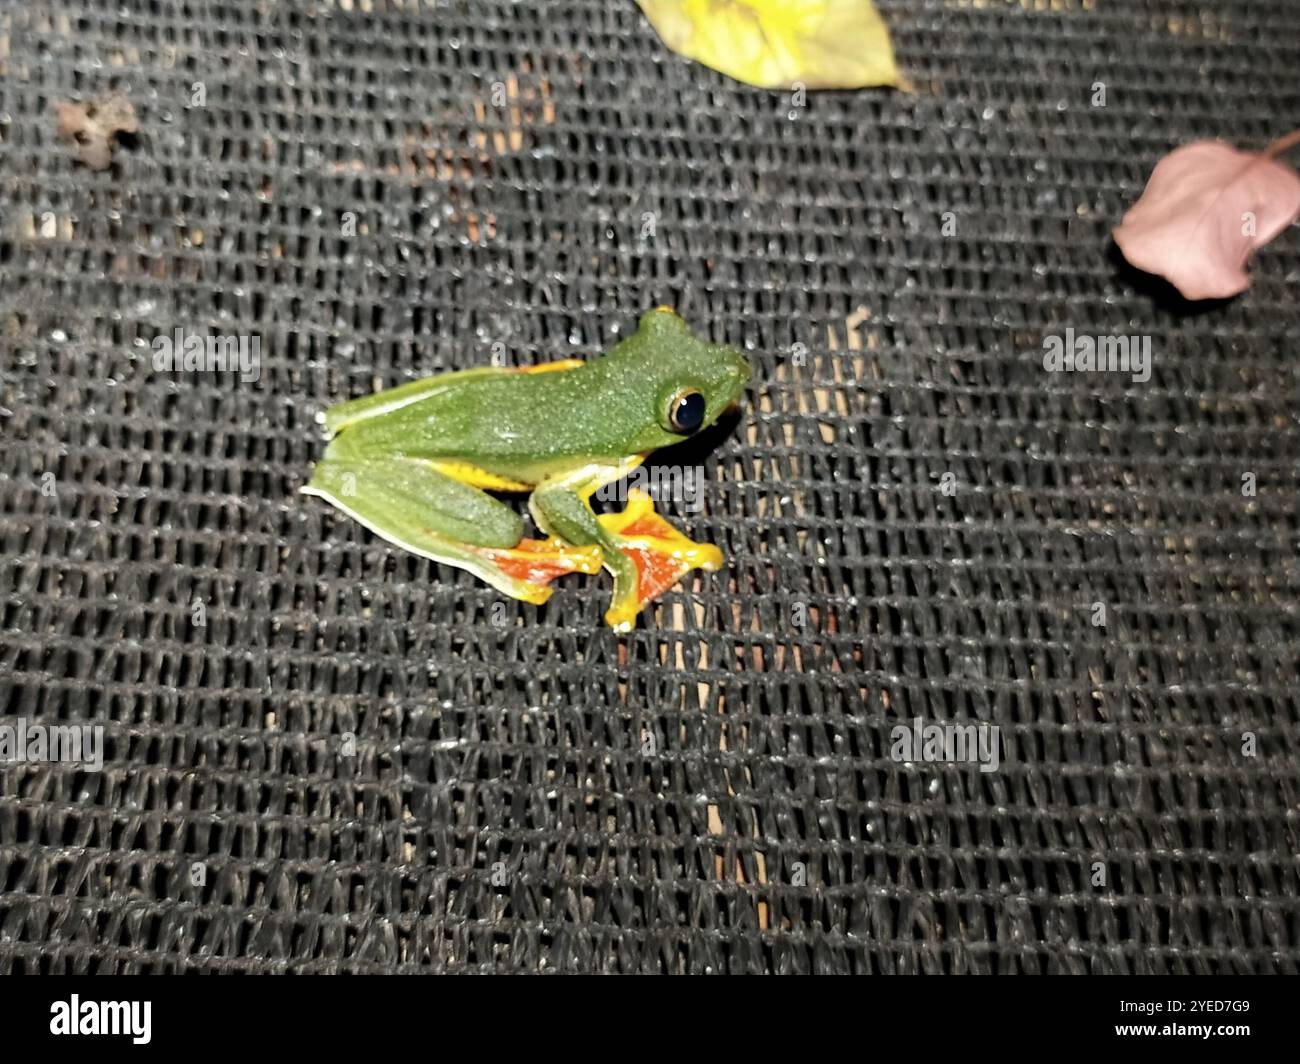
(591, 479)
(552, 367)
(479, 478)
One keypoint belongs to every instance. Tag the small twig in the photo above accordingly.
(1282, 144)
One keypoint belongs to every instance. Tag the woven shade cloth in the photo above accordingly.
(323, 754)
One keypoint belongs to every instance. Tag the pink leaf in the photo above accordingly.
(1206, 209)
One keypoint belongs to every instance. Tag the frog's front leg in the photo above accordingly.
(643, 552)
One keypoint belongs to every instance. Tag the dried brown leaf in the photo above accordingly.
(92, 128)
(1206, 209)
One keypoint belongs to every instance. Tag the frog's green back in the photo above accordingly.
(527, 426)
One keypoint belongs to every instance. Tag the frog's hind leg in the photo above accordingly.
(414, 506)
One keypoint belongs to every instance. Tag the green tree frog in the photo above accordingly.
(412, 463)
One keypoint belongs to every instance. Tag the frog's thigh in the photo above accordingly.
(410, 503)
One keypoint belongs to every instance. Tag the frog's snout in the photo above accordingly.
(741, 373)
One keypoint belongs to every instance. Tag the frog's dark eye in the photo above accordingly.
(686, 410)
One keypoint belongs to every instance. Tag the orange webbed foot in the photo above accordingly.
(661, 555)
(532, 564)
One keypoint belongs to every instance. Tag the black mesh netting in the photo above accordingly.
(324, 754)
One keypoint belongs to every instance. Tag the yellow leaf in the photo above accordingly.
(774, 44)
